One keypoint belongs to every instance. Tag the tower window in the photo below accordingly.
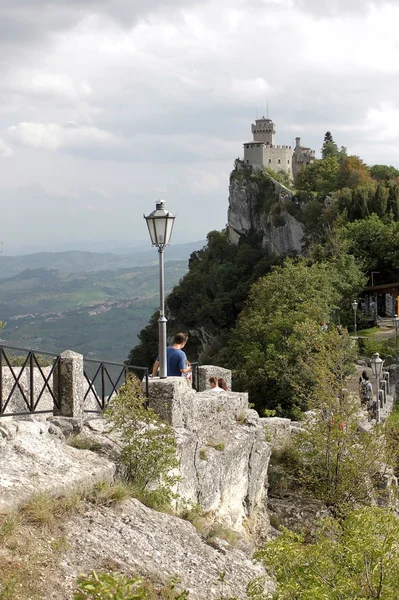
(288, 162)
(270, 160)
(279, 161)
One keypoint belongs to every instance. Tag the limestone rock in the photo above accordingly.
(245, 216)
(137, 539)
(34, 458)
(223, 450)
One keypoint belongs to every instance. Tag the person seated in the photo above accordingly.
(213, 381)
(222, 384)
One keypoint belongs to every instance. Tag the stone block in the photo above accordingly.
(207, 371)
(68, 375)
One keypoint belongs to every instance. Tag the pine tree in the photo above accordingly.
(329, 148)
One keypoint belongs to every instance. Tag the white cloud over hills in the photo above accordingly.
(136, 97)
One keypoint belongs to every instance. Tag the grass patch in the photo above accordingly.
(220, 532)
(82, 442)
(32, 540)
(202, 454)
(240, 418)
(219, 446)
(369, 332)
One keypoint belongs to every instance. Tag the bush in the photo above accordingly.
(148, 452)
(110, 586)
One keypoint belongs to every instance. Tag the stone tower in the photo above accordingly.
(262, 150)
(264, 131)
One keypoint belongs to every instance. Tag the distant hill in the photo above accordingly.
(76, 261)
(96, 313)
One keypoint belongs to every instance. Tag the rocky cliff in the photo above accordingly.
(258, 203)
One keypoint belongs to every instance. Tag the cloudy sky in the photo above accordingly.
(107, 105)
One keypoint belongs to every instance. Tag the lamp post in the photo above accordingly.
(396, 325)
(354, 306)
(160, 225)
(376, 366)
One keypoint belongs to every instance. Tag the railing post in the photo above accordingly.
(31, 383)
(70, 381)
(1, 381)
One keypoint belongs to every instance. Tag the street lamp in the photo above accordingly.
(160, 225)
(376, 366)
(396, 325)
(354, 306)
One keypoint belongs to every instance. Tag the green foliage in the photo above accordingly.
(148, 450)
(278, 337)
(321, 176)
(383, 173)
(374, 243)
(330, 148)
(219, 446)
(353, 173)
(202, 454)
(111, 586)
(211, 295)
(339, 461)
(355, 559)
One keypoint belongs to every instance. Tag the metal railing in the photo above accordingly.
(21, 389)
(104, 379)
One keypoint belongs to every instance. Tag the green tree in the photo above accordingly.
(339, 461)
(393, 201)
(353, 560)
(321, 176)
(383, 173)
(353, 173)
(374, 244)
(329, 147)
(210, 296)
(279, 331)
(378, 204)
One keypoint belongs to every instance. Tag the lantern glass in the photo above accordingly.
(376, 365)
(354, 305)
(160, 225)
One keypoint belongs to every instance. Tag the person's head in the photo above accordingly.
(222, 384)
(213, 381)
(366, 377)
(181, 339)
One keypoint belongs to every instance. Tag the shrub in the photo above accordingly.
(107, 586)
(148, 445)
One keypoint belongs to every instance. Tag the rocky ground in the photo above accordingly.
(132, 538)
(47, 555)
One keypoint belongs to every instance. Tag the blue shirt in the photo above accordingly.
(176, 360)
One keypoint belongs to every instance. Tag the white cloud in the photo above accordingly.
(51, 136)
(165, 93)
(5, 150)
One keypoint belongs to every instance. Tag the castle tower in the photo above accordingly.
(264, 131)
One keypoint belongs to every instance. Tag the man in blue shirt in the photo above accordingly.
(175, 357)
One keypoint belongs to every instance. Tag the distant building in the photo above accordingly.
(263, 152)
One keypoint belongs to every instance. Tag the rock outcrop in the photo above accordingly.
(35, 458)
(224, 454)
(134, 538)
(281, 232)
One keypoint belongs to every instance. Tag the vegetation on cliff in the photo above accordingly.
(248, 311)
